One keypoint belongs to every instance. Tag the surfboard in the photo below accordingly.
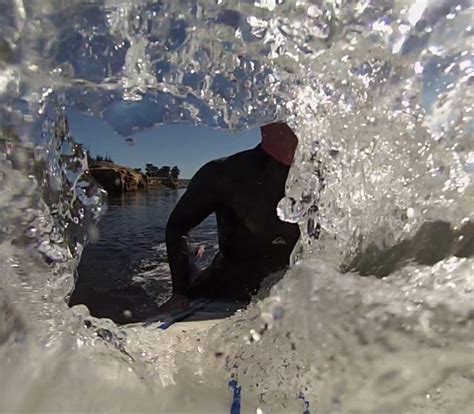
(201, 313)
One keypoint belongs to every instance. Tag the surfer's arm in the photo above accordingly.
(197, 203)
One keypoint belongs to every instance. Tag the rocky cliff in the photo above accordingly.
(118, 179)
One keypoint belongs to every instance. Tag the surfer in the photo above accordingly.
(243, 190)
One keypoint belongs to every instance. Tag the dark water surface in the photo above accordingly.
(125, 275)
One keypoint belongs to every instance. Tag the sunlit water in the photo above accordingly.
(380, 94)
(124, 275)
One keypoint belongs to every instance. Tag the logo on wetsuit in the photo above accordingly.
(279, 240)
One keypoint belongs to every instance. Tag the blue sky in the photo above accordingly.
(187, 146)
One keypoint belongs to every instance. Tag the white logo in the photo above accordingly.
(279, 240)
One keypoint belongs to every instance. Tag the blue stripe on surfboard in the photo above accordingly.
(234, 386)
(237, 391)
(305, 402)
(180, 316)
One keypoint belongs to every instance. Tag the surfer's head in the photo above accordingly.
(279, 141)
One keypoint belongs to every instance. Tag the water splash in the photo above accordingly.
(379, 94)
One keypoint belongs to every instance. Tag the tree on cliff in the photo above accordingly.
(164, 172)
(98, 159)
(175, 171)
(151, 170)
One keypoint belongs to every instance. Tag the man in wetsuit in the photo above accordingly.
(243, 190)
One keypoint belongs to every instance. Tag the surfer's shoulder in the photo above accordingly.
(210, 174)
(220, 169)
(236, 161)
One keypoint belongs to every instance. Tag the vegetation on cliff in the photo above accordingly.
(119, 179)
(162, 176)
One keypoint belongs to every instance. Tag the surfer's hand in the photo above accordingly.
(199, 251)
(176, 303)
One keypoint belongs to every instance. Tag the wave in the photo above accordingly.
(378, 93)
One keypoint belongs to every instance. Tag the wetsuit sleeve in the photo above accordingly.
(196, 204)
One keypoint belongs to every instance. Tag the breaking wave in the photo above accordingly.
(374, 316)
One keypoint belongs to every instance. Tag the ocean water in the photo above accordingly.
(124, 274)
(375, 316)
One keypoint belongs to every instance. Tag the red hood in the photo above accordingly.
(279, 141)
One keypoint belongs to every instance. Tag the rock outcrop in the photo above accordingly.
(117, 179)
(159, 182)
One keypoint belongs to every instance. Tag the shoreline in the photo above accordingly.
(118, 179)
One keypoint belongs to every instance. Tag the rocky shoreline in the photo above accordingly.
(117, 179)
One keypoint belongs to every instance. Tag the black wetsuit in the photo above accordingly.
(243, 190)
